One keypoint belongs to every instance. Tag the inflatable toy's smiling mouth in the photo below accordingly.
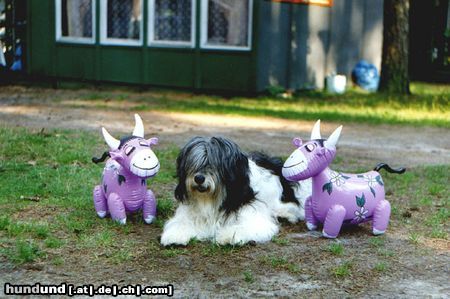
(146, 168)
(294, 164)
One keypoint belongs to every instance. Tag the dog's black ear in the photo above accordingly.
(180, 189)
(235, 175)
(237, 184)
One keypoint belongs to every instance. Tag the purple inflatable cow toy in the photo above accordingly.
(337, 198)
(124, 186)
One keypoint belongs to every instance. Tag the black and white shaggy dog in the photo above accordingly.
(230, 197)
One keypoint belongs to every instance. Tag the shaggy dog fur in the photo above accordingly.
(230, 197)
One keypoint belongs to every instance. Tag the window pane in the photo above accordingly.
(228, 22)
(76, 18)
(124, 19)
(173, 20)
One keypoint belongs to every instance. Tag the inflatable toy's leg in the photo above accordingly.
(311, 221)
(333, 221)
(149, 208)
(116, 208)
(100, 204)
(381, 217)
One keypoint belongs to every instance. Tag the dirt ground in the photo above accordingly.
(415, 273)
(43, 108)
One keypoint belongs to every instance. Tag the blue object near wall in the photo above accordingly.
(17, 64)
(366, 75)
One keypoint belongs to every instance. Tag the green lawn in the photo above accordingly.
(46, 200)
(428, 105)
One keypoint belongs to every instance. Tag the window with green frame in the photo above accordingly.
(172, 23)
(121, 22)
(75, 21)
(226, 24)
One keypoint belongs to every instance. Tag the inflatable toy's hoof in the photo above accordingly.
(101, 214)
(328, 236)
(311, 226)
(122, 221)
(377, 232)
(149, 219)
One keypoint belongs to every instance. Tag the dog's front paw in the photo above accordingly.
(240, 235)
(175, 237)
(230, 237)
(292, 212)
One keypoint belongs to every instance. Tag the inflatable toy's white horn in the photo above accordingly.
(139, 127)
(315, 133)
(112, 142)
(333, 139)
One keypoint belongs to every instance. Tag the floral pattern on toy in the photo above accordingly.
(337, 179)
(361, 213)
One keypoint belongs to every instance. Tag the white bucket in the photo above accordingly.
(336, 83)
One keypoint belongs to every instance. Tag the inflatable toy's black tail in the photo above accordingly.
(101, 159)
(389, 169)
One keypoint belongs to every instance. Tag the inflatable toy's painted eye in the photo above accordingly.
(143, 143)
(310, 147)
(129, 150)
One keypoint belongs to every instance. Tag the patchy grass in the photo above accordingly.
(423, 204)
(377, 241)
(293, 268)
(427, 106)
(248, 276)
(171, 252)
(414, 238)
(57, 261)
(55, 194)
(387, 253)
(336, 248)
(275, 261)
(164, 207)
(213, 249)
(122, 255)
(380, 267)
(97, 239)
(280, 241)
(42, 231)
(53, 242)
(49, 217)
(23, 252)
(4, 222)
(343, 270)
(55, 171)
(280, 263)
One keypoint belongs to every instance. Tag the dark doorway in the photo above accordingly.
(430, 40)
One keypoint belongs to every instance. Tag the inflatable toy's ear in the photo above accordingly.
(333, 139)
(116, 155)
(153, 141)
(112, 142)
(138, 127)
(297, 142)
(315, 133)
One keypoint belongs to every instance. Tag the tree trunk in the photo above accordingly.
(394, 66)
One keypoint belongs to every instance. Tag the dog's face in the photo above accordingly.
(197, 167)
(202, 182)
(213, 169)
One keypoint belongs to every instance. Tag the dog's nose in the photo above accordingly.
(199, 179)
